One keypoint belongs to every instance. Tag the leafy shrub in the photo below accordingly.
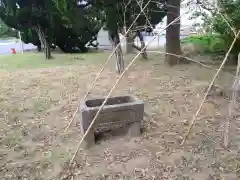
(208, 43)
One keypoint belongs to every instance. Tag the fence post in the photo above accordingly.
(21, 43)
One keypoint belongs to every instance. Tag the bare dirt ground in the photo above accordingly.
(36, 105)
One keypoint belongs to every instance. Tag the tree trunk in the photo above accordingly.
(44, 42)
(47, 50)
(129, 44)
(119, 60)
(115, 40)
(129, 40)
(119, 55)
(173, 33)
(142, 48)
(39, 48)
(39, 33)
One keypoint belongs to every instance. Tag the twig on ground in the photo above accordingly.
(187, 58)
(236, 170)
(153, 134)
(5, 116)
(209, 138)
(209, 88)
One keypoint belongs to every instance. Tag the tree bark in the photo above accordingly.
(142, 48)
(129, 44)
(47, 50)
(39, 33)
(39, 48)
(129, 40)
(44, 41)
(173, 33)
(111, 11)
(115, 40)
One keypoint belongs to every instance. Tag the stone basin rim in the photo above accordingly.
(133, 100)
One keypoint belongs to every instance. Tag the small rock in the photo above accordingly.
(221, 169)
(195, 169)
(185, 122)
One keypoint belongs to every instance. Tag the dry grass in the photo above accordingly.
(36, 104)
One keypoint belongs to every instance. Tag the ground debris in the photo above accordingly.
(40, 103)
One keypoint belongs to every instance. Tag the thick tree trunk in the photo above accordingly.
(115, 40)
(173, 33)
(129, 40)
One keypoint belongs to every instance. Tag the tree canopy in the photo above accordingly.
(222, 18)
(71, 24)
(69, 29)
(117, 16)
(5, 31)
(230, 10)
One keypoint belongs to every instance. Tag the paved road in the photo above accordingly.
(6, 45)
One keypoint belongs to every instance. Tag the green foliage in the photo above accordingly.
(13, 140)
(63, 22)
(34, 60)
(71, 24)
(215, 21)
(61, 5)
(5, 31)
(30, 36)
(208, 43)
(230, 9)
(125, 13)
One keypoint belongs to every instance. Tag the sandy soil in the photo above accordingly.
(36, 105)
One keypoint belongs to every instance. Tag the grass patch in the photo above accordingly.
(12, 140)
(41, 106)
(9, 38)
(37, 60)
